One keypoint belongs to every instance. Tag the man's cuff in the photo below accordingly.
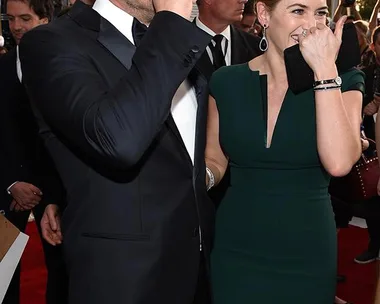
(10, 187)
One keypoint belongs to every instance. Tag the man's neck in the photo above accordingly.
(215, 25)
(144, 16)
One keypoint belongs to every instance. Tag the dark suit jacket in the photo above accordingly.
(135, 201)
(22, 154)
(244, 47)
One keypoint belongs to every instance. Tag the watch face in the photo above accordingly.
(338, 80)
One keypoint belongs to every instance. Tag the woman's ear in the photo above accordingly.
(262, 13)
(372, 47)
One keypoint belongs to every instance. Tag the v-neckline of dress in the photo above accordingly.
(263, 82)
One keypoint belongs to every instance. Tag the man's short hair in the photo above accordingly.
(42, 8)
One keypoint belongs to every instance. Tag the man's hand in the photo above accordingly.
(365, 144)
(26, 195)
(16, 207)
(51, 225)
(180, 7)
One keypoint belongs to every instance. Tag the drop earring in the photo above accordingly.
(263, 45)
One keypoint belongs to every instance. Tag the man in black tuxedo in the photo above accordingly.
(125, 118)
(229, 46)
(28, 180)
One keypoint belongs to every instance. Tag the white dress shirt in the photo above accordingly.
(227, 37)
(184, 104)
(18, 65)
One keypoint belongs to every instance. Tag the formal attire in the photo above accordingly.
(275, 239)
(126, 128)
(235, 47)
(23, 158)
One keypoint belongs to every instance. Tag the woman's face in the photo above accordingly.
(289, 18)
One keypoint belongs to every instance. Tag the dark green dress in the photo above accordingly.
(275, 239)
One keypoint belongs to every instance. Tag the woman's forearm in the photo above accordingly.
(338, 127)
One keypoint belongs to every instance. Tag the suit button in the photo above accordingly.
(196, 232)
(195, 49)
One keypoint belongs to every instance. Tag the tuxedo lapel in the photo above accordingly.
(116, 43)
(200, 83)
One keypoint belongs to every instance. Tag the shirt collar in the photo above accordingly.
(226, 33)
(116, 16)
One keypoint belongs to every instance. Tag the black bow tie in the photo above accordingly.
(138, 31)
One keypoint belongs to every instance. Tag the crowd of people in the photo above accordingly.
(167, 160)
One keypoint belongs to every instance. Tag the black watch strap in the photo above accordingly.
(336, 81)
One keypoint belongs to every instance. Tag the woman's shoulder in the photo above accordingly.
(229, 76)
(229, 72)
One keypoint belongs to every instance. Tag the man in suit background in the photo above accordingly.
(229, 46)
(124, 120)
(28, 180)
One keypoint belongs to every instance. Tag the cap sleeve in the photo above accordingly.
(353, 80)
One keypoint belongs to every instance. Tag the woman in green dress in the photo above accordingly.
(275, 239)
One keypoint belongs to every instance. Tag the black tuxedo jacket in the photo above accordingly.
(135, 201)
(244, 47)
(22, 154)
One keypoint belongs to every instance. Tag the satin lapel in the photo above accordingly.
(200, 83)
(116, 43)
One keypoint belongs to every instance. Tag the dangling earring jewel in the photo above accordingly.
(263, 45)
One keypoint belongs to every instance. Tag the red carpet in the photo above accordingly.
(33, 273)
(358, 289)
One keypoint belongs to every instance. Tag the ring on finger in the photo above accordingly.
(304, 33)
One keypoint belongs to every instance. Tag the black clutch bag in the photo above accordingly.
(300, 75)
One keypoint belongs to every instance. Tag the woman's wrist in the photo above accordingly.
(326, 73)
